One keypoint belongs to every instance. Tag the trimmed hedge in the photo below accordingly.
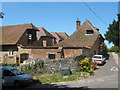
(113, 49)
(9, 64)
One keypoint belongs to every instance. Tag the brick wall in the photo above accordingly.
(72, 52)
(16, 54)
(43, 53)
(49, 41)
(95, 47)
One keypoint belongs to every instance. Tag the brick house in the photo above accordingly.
(15, 37)
(20, 42)
(86, 35)
(85, 40)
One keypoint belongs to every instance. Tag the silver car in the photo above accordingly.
(98, 59)
(12, 77)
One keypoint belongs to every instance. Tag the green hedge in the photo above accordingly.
(113, 49)
(9, 64)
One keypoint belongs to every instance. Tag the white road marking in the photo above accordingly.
(114, 69)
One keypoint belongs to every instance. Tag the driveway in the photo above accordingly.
(105, 76)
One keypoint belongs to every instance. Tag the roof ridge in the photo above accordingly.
(45, 31)
(17, 25)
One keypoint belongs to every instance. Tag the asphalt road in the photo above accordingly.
(105, 76)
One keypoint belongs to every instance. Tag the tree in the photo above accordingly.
(112, 35)
(1, 15)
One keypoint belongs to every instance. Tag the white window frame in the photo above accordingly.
(30, 36)
(10, 53)
(89, 33)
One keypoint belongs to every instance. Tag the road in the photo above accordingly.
(105, 76)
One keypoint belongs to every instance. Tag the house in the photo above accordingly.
(20, 42)
(85, 40)
(16, 39)
(86, 35)
(14, 36)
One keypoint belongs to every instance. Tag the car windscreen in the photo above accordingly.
(98, 57)
(17, 72)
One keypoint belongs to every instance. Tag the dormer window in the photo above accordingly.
(89, 32)
(30, 36)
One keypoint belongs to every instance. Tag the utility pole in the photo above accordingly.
(119, 22)
(119, 29)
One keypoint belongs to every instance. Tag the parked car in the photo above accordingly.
(13, 77)
(98, 59)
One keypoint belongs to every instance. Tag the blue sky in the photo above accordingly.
(59, 16)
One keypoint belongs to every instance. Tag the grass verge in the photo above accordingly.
(118, 54)
(53, 78)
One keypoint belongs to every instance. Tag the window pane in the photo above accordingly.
(89, 31)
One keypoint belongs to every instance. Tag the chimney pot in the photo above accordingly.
(77, 24)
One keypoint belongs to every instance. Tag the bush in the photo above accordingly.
(86, 65)
(113, 49)
(9, 64)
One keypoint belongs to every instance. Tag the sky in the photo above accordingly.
(60, 16)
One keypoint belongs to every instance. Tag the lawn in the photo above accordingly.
(53, 78)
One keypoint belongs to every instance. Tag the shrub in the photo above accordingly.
(85, 65)
(9, 64)
(113, 49)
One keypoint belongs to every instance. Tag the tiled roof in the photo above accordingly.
(11, 34)
(63, 35)
(55, 34)
(79, 38)
(59, 35)
(43, 32)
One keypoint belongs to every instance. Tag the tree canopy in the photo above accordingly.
(112, 35)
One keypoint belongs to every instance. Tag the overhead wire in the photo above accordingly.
(94, 13)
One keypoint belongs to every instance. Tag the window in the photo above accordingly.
(53, 41)
(44, 43)
(89, 31)
(8, 73)
(98, 57)
(10, 53)
(15, 71)
(30, 36)
(51, 55)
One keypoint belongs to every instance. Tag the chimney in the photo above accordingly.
(77, 24)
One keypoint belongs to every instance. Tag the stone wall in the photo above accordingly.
(51, 66)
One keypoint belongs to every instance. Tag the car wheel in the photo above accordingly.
(17, 84)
